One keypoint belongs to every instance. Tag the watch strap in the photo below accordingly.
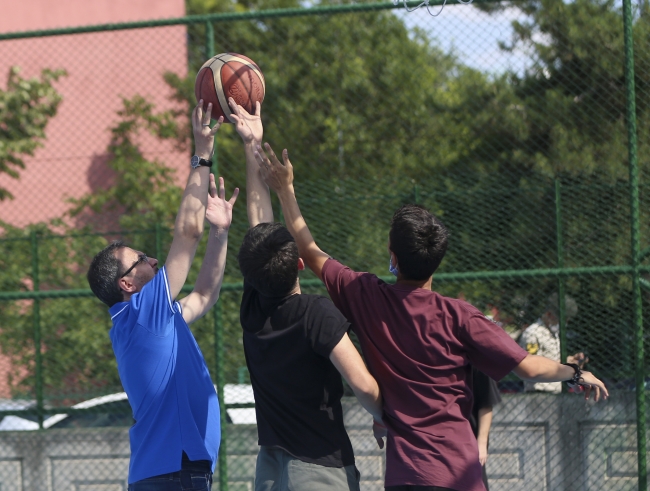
(196, 162)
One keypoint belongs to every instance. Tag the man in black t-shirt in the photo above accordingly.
(296, 348)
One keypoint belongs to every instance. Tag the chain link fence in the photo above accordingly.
(508, 120)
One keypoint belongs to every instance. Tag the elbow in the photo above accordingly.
(367, 389)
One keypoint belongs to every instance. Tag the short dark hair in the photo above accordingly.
(419, 240)
(103, 273)
(268, 259)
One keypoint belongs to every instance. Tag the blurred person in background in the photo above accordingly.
(543, 338)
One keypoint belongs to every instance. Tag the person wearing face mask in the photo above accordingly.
(543, 338)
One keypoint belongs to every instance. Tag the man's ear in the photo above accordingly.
(301, 264)
(126, 285)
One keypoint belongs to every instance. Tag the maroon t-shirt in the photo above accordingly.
(419, 346)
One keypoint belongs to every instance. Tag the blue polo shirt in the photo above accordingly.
(164, 374)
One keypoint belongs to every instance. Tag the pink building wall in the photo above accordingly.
(102, 68)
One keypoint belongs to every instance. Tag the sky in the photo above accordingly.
(472, 35)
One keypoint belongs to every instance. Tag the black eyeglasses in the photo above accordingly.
(142, 258)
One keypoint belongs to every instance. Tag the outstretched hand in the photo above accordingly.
(276, 175)
(591, 384)
(219, 211)
(203, 134)
(249, 126)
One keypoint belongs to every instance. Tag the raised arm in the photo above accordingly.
(208, 283)
(258, 199)
(191, 214)
(279, 177)
(540, 369)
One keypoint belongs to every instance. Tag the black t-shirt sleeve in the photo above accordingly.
(486, 391)
(326, 326)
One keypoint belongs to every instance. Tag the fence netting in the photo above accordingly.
(507, 120)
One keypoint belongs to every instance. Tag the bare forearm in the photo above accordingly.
(484, 424)
(348, 362)
(297, 226)
(191, 213)
(258, 197)
(371, 401)
(208, 282)
(540, 369)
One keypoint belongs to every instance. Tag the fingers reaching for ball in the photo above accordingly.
(277, 175)
(203, 133)
(249, 126)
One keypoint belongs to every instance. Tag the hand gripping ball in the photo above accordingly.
(229, 75)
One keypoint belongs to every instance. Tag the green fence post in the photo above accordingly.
(416, 194)
(37, 332)
(221, 381)
(635, 245)
(560, 281)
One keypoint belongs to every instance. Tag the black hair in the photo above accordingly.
(103, 273)
(419, 241)
(268, 259)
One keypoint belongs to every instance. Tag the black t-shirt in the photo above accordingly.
(287, 342)
(486, 394)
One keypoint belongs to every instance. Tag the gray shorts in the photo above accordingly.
(279, 471)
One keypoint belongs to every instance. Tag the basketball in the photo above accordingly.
(229, 75)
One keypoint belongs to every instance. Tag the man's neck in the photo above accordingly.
(296, 289)
(424, 284)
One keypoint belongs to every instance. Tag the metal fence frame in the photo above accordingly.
(634, 269)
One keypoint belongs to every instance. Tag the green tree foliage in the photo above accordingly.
(76, 357)
(573, 103)
(26, 106)
(143, 191)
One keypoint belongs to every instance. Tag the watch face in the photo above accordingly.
(195, 161)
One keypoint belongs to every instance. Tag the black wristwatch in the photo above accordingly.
(197, 162)
(577, 376)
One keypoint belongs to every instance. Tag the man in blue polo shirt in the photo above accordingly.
(175, 439)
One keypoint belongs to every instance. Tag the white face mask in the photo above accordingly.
(555, 328)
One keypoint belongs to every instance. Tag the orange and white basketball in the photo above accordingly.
(229, 75)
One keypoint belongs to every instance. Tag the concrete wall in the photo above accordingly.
(538, 442)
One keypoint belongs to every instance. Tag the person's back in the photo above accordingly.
(288, 338)
(419, 344)
(297, 389)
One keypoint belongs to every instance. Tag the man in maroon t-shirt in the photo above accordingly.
(419, 345)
